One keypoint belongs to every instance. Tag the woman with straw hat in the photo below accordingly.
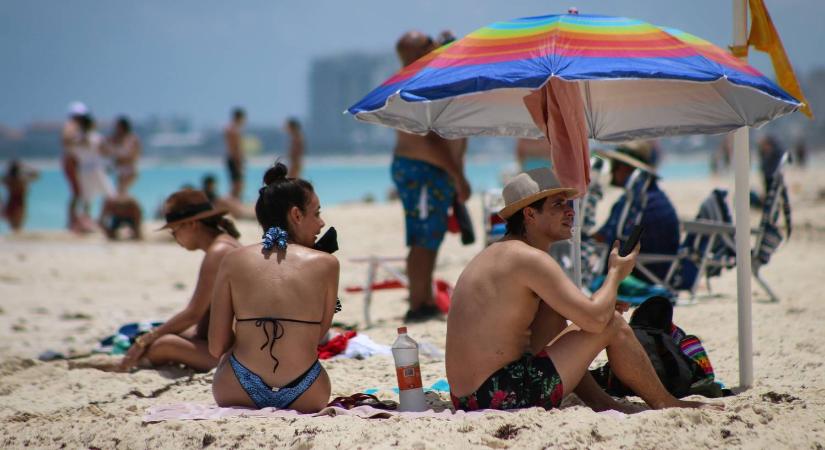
(196, 225)
(273, 303)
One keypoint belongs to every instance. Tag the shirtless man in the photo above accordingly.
(513, 299)
(233, 135)
(296, 147)
(428, 172)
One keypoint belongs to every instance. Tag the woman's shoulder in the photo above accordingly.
(222, 247)
(311, 258)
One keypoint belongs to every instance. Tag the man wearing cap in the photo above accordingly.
(661, 225)
(507, 346)
(428, 172)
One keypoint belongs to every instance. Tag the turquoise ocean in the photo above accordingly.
(336, 181)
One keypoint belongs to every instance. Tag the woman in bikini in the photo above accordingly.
(280, 295)
(124, 147)
(195, 225)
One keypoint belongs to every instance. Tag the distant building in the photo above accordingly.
(335, 83)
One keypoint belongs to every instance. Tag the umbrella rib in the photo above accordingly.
(588, 110)
(735, 111)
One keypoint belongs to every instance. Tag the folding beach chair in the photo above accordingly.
(594, 253)
(709, 247)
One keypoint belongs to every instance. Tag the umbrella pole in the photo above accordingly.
(741, 152)
(577, 242)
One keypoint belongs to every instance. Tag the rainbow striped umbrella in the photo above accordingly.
(637, 80)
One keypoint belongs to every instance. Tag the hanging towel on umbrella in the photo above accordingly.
(558, 111)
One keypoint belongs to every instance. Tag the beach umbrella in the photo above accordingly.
(630, 80)
(637, 81)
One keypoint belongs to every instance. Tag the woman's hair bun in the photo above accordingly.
(275, 173)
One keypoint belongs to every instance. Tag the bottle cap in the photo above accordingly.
(402, 330)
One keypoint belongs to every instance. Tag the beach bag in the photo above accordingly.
(652, 324)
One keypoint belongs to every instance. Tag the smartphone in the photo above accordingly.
(631, 242)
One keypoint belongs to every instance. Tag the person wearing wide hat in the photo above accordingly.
(195, 224)
(659, 219)
(506, 345)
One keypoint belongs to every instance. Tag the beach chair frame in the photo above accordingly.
(374, 263)
(715, 231)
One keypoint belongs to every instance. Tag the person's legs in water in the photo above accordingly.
(574, 351)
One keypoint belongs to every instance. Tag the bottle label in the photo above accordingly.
(409, 377)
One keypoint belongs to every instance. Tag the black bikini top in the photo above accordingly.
(277, 332)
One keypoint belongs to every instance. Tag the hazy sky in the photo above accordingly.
(198, 58)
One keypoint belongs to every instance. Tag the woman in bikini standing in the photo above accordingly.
(280, 296)
(195, 225)
(124, 147)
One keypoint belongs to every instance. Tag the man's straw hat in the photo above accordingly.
(635, 153)
(527, 187)
(188, 205)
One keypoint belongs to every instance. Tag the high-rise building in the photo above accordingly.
(335, 83)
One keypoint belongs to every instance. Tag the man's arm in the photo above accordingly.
(543, 276)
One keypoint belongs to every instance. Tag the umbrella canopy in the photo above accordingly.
(637, 80)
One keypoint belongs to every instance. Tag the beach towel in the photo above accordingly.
(336, 345)
(635, 291)
(196, 411)
(557, 109)
(119, 343)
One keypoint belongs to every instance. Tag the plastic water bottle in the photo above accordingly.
(405, 354)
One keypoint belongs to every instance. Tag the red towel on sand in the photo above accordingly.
(336, 345)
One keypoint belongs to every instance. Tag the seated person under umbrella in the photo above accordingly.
(661, 225)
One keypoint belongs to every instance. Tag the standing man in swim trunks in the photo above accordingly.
(428, 171)
(233, 134)
(506, 341)
(70, 136)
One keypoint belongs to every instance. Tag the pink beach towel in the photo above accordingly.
(195, 411)
(557, 110)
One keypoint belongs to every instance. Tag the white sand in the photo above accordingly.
(63, 293)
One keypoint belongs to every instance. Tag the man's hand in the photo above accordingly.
(622, 307)
(462, 189)
(623, 265)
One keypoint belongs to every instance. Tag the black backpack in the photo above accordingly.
(651, 322)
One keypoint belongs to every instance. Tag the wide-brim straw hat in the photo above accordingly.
(635, 154)
(527, 187)
(188, 205)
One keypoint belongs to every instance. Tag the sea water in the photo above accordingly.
(335, 181)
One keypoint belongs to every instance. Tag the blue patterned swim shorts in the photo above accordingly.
(427, 192)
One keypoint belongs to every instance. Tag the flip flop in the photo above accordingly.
(361, 399)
